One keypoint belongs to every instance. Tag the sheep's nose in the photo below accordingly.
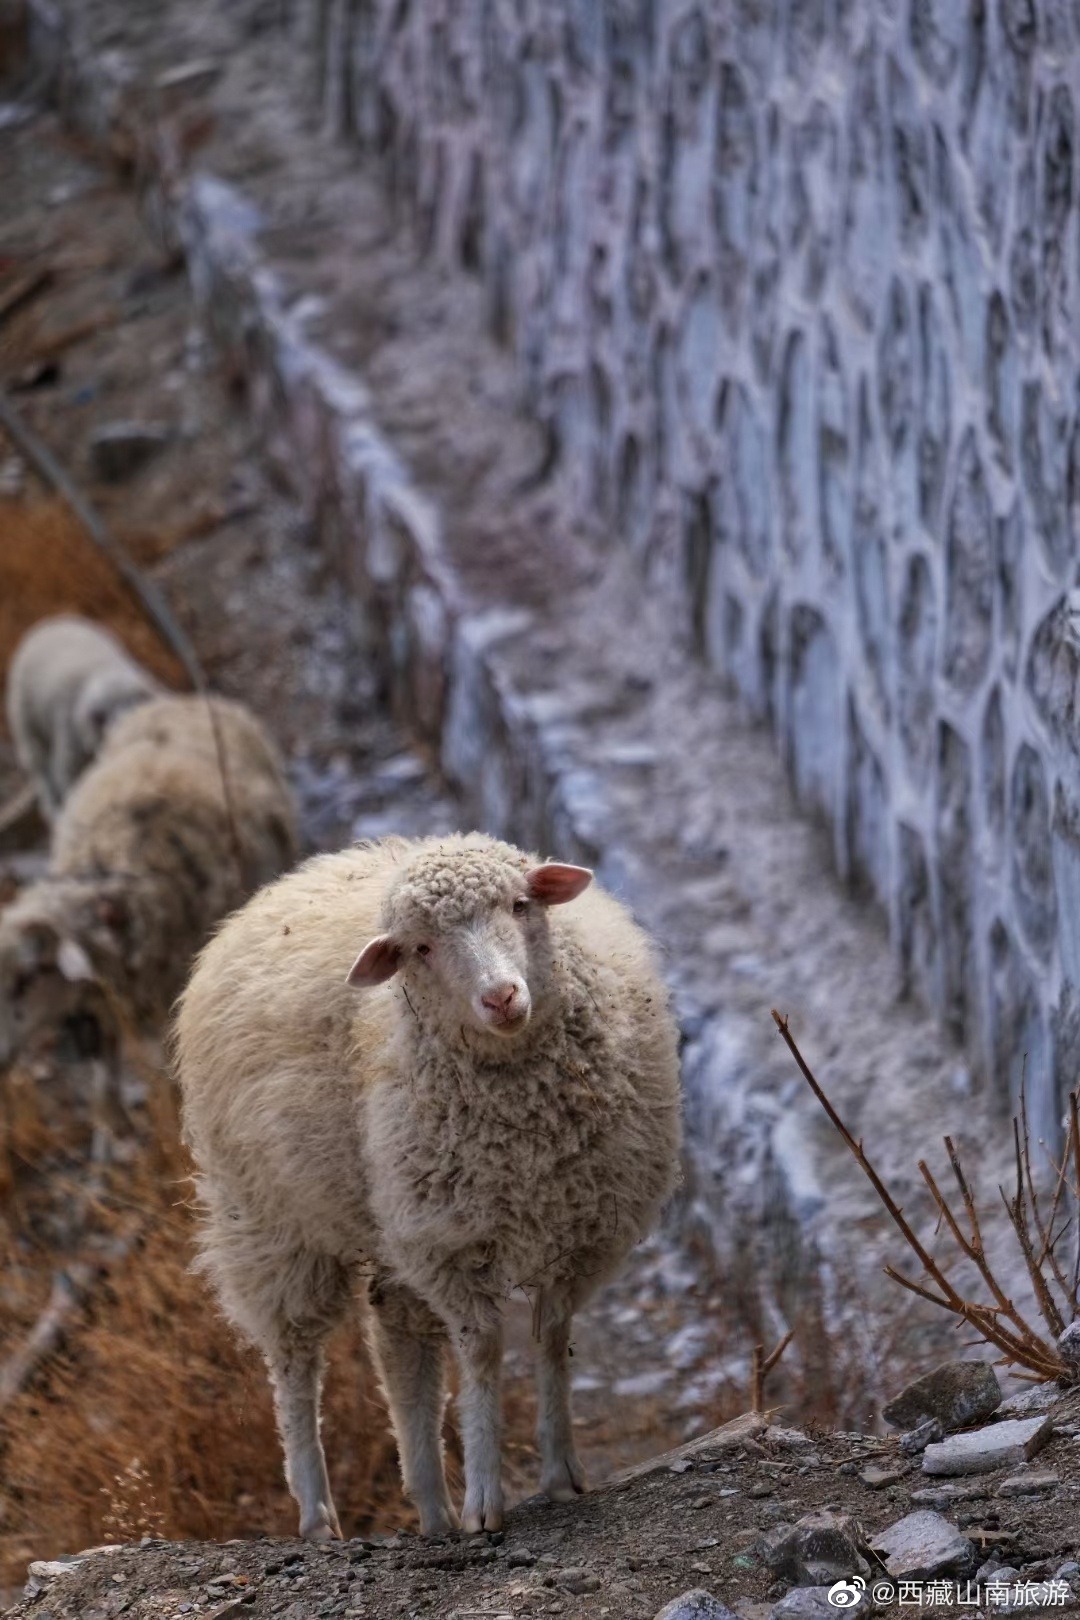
(501, 999)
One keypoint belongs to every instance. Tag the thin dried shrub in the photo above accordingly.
(1039, 1230)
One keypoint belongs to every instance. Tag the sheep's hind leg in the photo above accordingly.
(409, 1344)
(286, 1298)
(562, 1476)
(479, 1350)
(296, 1373)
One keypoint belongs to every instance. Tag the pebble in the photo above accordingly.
(1069, 1344)
(579, 1580)
(759, 1492)
(789, 1438)
(812, 1603)
(945, 1495)
(877, 1478)
(955, 1393)
(1028, 1484)
(118, 449)
(998, 1445)
(820, 1548)
(520, 1558)
(48, 1569)
(924, 1434)
(695, 1605)
(1026, 1401)
(923, 1545)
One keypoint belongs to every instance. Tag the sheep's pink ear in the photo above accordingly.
(554, 885)
(378, 961)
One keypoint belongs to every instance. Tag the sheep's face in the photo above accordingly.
(470, 942)
(44, 980)
(102, 700)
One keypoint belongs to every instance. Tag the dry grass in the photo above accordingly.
(154, 1419)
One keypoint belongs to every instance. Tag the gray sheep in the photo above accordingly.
(68, 681)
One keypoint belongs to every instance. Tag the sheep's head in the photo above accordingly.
(103, 699)
(465, 928)
(47, 983)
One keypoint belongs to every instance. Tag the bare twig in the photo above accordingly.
(761, 1365)
(23, 289)
(999, 1323)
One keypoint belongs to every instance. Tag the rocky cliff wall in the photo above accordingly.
(793, 284)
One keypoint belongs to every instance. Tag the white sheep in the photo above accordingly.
(150, 850)
(499, 1110)
(68, 681)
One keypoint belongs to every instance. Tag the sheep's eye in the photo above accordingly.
(423, 950)
(520, 907)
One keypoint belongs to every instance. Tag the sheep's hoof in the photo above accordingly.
(565, 1482)
(488, 1515)
(323, 1526)
(440, 1522)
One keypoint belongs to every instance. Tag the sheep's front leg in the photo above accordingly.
(562, 1476)
(479, 1350)
(409, 1342)
(296, 1374)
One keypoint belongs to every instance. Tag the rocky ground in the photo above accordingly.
(760, 1519)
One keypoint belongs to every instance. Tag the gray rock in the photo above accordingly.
(520, 1557)
(695, 1605)
(940, 1496)
(790, 1439)
(119, 449)
(579, 1580)
(922, 1546)
(819, 1549)
(1069, 1344)
(999, 1445)
(1028, 1401)
(812, 1603)
(877, 1478)
(955, 1393)
(1028, 1484)
(924, 1434)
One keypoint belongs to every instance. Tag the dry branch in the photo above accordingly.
(761, 1365)
(999, 1323)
